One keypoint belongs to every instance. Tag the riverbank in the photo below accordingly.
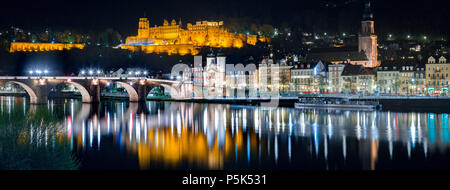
(397, 104)
(282, 102)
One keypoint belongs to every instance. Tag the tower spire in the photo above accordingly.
(367, 40)
(367, 15)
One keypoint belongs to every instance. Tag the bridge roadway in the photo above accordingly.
(38, 87)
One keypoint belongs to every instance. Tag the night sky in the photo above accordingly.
(415, 16)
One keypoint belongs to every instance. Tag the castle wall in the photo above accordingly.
(29, 47)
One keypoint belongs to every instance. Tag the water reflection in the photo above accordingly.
(31, 138)
(215, 136)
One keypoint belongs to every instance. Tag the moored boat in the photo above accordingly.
(336, 103)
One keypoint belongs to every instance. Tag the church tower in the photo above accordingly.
(367, 40)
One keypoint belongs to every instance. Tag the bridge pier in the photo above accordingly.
(41, 92)
(142, 92)
(94, 93)
(89, 89)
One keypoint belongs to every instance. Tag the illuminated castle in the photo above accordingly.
(173, 39)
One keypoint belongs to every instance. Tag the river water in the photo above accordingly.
(67, 134)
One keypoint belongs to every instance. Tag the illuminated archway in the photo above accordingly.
(30, 92)
(130, 90)
(156, 90)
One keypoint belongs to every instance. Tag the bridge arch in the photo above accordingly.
(132, 93)
(172, 91)
(29, 90)
(85, 96)
(156, 89)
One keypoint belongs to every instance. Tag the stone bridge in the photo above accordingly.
(39, 87)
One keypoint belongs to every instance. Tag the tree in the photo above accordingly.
(34, 37)
(254, 28)
(267, 29)
(59, 36)
(43, 37)
(78, 38)
(21, 37)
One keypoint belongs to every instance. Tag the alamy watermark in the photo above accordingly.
(220, 80)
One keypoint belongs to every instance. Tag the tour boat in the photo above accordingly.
(336, 103)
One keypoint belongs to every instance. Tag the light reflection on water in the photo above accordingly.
(160, 135)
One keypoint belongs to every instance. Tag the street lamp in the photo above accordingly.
(41, 82)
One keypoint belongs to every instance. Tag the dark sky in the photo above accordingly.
(122, 15)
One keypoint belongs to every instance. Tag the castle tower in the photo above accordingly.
(144, 27)
(367, 40)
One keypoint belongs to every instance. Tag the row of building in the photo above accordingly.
(321, 77)
(389, 78)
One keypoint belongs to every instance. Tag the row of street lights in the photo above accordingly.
(92, 72)
(138, 73)
(97, 72)
(38, 72)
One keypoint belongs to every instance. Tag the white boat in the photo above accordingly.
(336, 103)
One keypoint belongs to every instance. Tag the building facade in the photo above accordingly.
(355, 79)
(406, 78)
(302, 78)
(241, 83)
(274, 77)
(334, 75)
(388, 81)
(437, 75)
(419, 80)
(366, 82)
